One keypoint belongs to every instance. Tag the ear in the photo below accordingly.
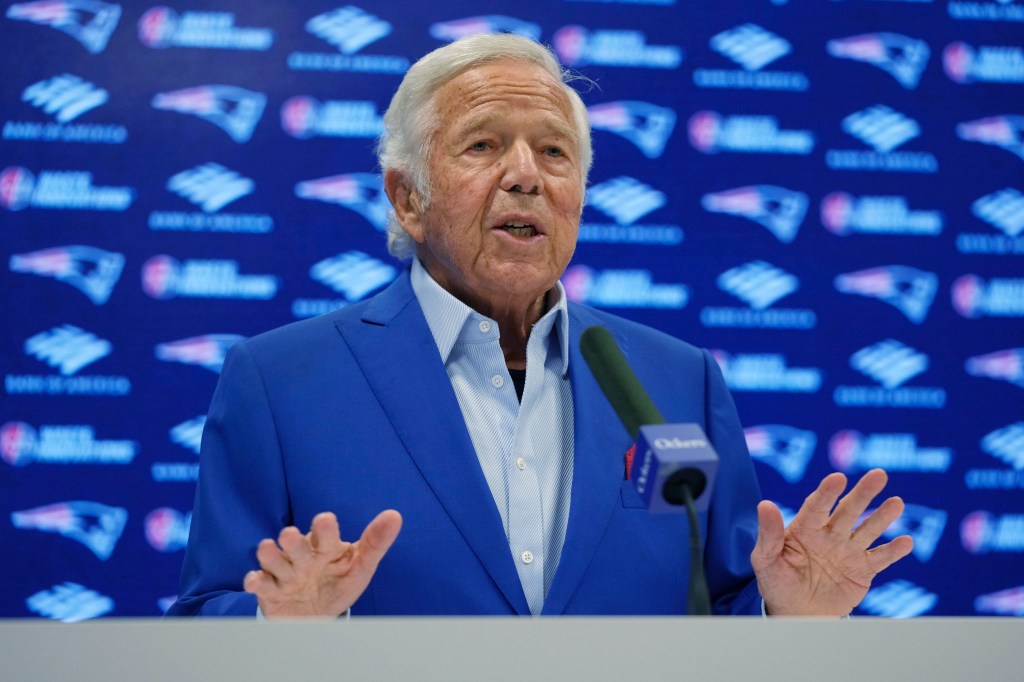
(406, 201)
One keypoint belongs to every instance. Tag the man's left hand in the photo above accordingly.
(821, 565)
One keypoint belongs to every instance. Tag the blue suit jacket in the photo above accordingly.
(352, 412)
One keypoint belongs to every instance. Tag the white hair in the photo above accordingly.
(412, 119)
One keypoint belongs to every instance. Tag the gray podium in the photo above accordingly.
(647, 649)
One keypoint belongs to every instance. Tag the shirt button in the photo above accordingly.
(497, 381)
(521, 463)
(527, 556)
(485, 326)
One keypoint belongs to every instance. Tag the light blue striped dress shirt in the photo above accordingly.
(525, 448)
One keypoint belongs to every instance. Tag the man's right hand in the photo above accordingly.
(318, 574)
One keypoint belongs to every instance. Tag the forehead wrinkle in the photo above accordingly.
(482, 121)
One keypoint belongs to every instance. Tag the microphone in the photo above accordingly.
(675, 465)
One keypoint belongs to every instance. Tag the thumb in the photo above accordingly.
(770, 534)
(379, 535)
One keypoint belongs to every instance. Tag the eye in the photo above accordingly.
(554, 151)
(480, 146)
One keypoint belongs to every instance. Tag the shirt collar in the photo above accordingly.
(447, 315)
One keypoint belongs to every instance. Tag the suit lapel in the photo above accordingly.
(414, 391)
(600, 443)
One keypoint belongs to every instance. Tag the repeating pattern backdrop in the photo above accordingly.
(827, 193)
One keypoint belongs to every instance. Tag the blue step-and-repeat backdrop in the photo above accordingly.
(827, 193)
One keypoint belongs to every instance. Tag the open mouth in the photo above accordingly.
(518, 229)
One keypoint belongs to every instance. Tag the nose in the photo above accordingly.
(521, 173)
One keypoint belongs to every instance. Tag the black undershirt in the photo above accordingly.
(519, 381)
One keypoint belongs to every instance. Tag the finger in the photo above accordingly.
(258, 582)
(324, 535)
(770, 534)
(273, 561)
(852, 506)
(814, 512)
(378, 536)
(875, 525)
(295, 545)
(884, 556)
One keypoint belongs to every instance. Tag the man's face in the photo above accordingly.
(507, 187)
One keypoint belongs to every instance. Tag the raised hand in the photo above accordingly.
(820, 565)
(318, 574)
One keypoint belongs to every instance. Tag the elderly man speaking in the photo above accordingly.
(457, 402)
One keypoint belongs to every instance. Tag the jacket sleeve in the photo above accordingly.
(732, 521)
(241, 496)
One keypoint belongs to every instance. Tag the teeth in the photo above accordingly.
(520, 229)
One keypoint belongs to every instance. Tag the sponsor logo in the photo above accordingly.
(69, 603)
(711, 132)
(778, 209)
(854, 451)
(210, 187)
(898, 599)
(92, 271)
(626, 200)
(923, 524)
(1004, 210)
(167, 529)
(993, 10)
(646, 125)
(891, 364)
(766, 372)
(67, 349)
(1007, 444)
(489, 23)
(973, 297)
(20, 444)
(987, 64)
(162, 27)
(349, 29)
(95, 525)
(752, 48)
(353, 274)
(164, 277)
(189, 434)
(234, 110)
(206, 351)
(1005, 132)
(843, 214)
(1003, 603)
(786, 449)
(981, 533)
(305, 117)
(90, 22)
(578, 46)
(360, 192)
(622, 289)
(883, 129)
(759, 285)
(65, 98)
(901, 57)
(1007, 365)
(69, 190)
(909, 290)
